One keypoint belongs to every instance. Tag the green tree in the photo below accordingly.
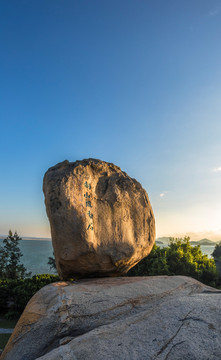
(10, 255)
(14, 294)
(154, 264)
(217, 251)
(178, 258)
(185, 259)
(51, 263)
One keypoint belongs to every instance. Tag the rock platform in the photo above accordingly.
(162, 317)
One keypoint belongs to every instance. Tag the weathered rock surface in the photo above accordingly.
(101, 220)
(120, 318)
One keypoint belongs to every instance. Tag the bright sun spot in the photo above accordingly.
(218, 169)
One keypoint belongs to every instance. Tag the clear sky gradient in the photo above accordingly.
(136, 83)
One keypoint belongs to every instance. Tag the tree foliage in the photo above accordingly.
(10, 255)
(14, 294)
(178, 258)
(16, 286)
(217, 251)
(52, 263)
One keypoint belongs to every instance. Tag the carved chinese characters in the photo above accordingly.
(88, 204)
(101, 220)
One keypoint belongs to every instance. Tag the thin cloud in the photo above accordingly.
(163, 194)
(217, 169)
(215, 11)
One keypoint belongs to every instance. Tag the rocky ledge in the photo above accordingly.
(120, 318)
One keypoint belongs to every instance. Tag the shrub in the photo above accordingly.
(15, 293)
(178, 258)
(217, 251)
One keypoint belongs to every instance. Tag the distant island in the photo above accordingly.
(205, 242)
(158, 242)
(163, 240)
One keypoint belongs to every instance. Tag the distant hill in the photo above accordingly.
(162, 240)
(203, 242)
(158, 242)
(165, 241)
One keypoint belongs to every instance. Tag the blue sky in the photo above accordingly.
(136, 83)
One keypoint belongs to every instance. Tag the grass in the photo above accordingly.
(3, 340)
(6, 324)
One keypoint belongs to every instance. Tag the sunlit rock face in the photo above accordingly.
(101, 220)
(155, 317)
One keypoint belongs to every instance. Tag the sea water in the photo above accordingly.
(36, 254)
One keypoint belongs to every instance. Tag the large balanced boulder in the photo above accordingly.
(101, 220)
(120, 318)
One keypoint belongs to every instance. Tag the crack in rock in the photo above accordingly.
(173, 337)
(194, 319)
(172, 347)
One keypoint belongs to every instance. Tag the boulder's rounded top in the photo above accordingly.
(94, 163)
